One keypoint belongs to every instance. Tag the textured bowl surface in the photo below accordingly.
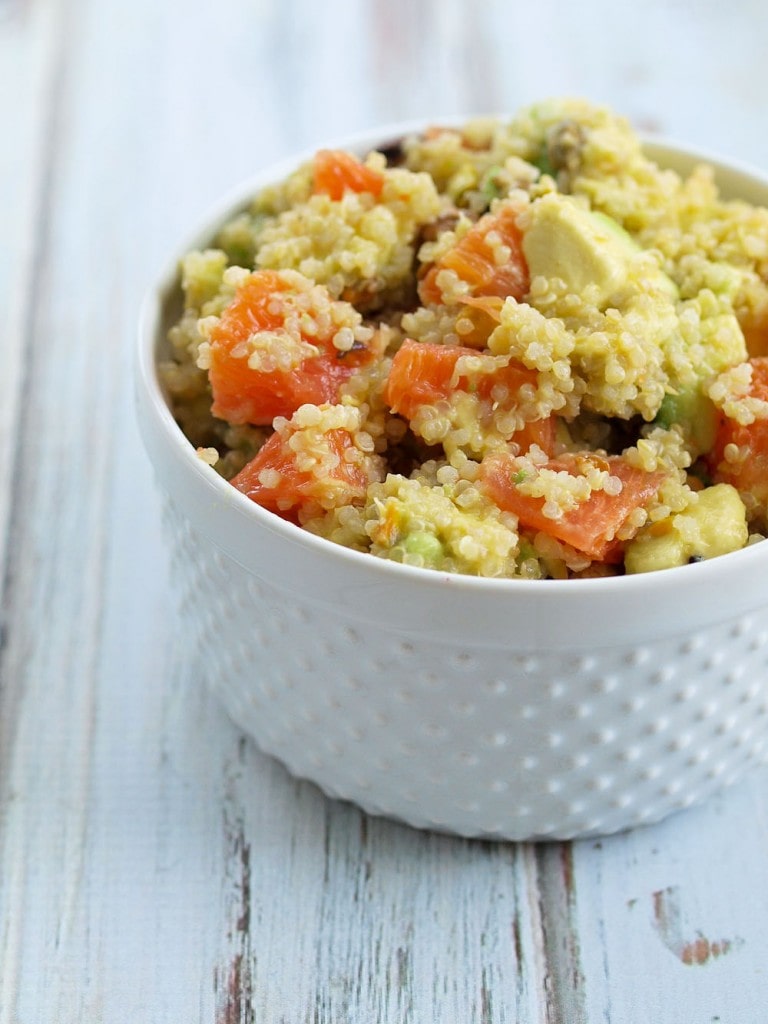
(500, 708)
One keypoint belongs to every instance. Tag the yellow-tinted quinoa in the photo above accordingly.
(515, 349)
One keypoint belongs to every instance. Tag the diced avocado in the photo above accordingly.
(568, 242)
(426, 545)
(527, 550)
(695, 412)
(715, 523)
(492, 187)
(619, 233)
(722, 521)
(661, 281)
(663, 551)
(582, 247)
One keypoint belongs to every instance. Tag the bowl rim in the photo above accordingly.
(670, 154)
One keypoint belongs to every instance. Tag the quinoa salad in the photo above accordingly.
(514, 349)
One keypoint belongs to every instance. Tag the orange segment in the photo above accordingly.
(336, 172)
(273, 480)
(747, 471)
(477, 260)
(264, 302)
(423, 374)
(540, 432)
(484, 314)
(592, 525)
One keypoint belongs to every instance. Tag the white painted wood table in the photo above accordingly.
(154, 866)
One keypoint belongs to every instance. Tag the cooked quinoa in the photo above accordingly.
(506, 349)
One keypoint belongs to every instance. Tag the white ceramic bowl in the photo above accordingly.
(499, 708)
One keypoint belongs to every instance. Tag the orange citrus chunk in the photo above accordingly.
(592, 525)
(274, 480)
(336, 172)
(299, 363)
(489, 258)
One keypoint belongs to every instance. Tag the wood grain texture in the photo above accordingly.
(154, 866)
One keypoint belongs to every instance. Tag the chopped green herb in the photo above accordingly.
(492, 189)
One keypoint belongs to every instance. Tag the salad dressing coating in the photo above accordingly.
(506, 349)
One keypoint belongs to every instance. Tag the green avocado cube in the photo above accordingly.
(566, 241)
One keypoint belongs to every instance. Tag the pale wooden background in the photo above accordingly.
(154, 867)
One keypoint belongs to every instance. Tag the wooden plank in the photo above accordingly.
(385, 923)
(29, 69)
(670, 920)
(28, 55)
